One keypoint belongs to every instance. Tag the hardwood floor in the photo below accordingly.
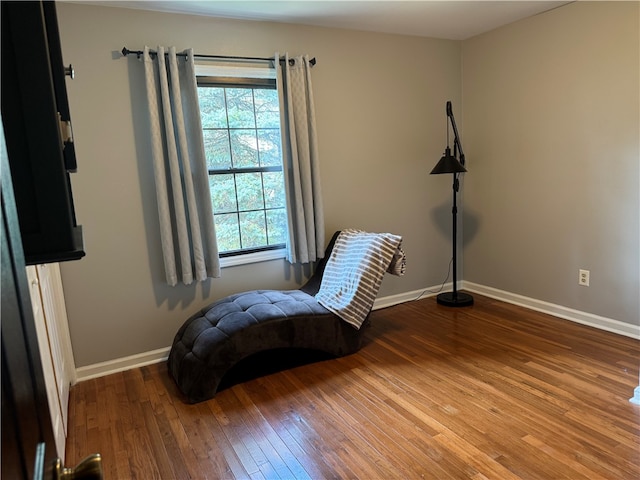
(492, 391)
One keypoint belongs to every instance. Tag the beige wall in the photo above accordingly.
(551, 123)
(380, 113)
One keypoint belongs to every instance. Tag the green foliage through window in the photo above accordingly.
(241, 130)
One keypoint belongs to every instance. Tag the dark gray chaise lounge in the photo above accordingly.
(233, 328)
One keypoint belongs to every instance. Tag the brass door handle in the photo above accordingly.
(88, 469)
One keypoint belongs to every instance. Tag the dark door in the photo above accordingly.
(27, 435)
(38, 226)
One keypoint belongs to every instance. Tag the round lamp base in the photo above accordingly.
(455, 299)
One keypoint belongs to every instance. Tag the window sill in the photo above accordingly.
(252, 258)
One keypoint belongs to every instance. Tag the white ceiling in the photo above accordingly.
(452, 19)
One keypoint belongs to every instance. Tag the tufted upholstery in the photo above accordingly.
(214, 339)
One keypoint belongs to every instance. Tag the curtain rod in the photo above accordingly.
(138, 53)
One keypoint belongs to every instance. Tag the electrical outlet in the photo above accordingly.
(583, 278)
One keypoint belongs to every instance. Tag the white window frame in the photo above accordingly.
(254, 257)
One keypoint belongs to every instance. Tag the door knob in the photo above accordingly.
(88, 469)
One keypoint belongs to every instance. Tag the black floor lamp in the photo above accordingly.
(450, 164)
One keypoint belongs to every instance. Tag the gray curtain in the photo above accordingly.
(184, 202)
(300, 157)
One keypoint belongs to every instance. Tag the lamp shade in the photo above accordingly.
(448, 164)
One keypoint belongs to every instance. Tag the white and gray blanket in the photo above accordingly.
(354, 272)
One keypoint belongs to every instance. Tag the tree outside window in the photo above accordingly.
(241, 130)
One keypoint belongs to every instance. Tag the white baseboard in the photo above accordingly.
(121, 364)
(391, 300)
(584, 318)
(610, 325)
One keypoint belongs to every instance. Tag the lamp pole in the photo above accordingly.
(454, 214)
(455, 298)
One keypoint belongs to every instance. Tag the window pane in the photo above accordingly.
(241, 130)
(249, 187)
(213, 113)
(227, 231)
(277, 226)
(269, 146)
(273, 189)
(244, 148)
(240, 108)
(216, 148)
(253, 229)
(267, 108)
(223, 193)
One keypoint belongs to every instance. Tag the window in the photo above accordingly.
(241, 131)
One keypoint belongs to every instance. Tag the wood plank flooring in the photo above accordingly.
(492, 391)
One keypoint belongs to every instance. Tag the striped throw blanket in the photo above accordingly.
(354, 272)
